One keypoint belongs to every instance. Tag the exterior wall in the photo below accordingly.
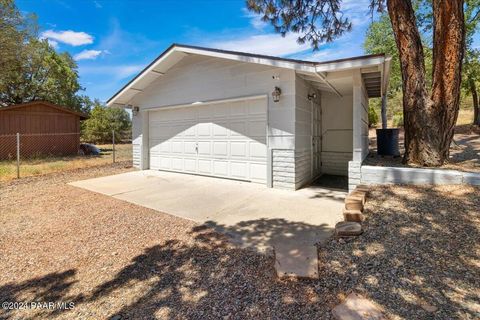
(360, 130)
(337, 140)
(200, 78)
(304, 131)
(395, 175)
(31, 122)
(140, 134)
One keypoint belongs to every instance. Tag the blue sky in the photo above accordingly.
(113, 40)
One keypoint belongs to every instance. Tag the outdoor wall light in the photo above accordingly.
(276, 94)
(311, 96)
(135, 110)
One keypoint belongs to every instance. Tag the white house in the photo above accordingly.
(279, 122)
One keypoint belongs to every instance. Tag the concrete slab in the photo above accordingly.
(252, 215)
(294, 260)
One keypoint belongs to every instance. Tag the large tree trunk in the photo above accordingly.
(429, 119)
(476, 107)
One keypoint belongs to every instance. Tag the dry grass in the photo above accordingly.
(39, 166)
(465, 116)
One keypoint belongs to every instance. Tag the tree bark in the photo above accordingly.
(429, 120)
(476, 102)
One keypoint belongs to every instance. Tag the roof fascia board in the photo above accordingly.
(150, 68)
(351, 64)
(258, 60)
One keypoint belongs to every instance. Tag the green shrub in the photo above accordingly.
(398, 120)
(372, 117)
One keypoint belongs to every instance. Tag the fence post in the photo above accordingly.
(113, 145)
(18, 155)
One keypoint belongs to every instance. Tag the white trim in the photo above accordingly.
(258, 60)
(181, 52)
(349, 64)
(208, 102)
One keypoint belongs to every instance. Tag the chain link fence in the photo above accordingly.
(26, 154)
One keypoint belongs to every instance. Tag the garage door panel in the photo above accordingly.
(258, 171)
(204, 130)
(220, 168)
(220, 130)
(256, 107)
(238, 129)
(224, 139)
(238, 109)
(177, 164)
(204, 148)
(190, 165)
(239, 170)
(205, 166)
(220, 149)
(258, 150)
(190, 147)
(220, 111)
(177, 147)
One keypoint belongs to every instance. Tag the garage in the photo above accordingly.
(221, 138)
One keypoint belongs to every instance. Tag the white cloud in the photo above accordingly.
(68, 36)
(53, 43)
(97, 4)
(255, 19)
(87, 55)
(269, 44)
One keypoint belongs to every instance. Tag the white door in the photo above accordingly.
(225, 139)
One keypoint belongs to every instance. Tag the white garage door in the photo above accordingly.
(222, 139)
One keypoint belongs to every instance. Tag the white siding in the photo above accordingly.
(303, 131)
(201, 78)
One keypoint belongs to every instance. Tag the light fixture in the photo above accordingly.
(276, 94)
(311, 96)
(135, 110)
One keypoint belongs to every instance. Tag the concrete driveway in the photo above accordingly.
(250, 214)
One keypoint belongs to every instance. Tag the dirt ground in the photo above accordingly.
(112, 259)
(464, 151)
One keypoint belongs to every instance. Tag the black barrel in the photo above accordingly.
(387, 142)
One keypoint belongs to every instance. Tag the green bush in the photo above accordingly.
(98, 128)
(372, 117)
(398, 120)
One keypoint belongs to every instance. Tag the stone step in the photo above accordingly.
(296, 261)
(353, 215)
(357, 194)
(353, 203)
(348, 229)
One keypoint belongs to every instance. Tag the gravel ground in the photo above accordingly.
(420, 251)
(464, 151)
(111, 258)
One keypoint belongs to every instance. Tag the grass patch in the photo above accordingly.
(37, 166)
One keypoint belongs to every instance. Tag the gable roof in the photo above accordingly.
(176, 52)
(45, 103)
